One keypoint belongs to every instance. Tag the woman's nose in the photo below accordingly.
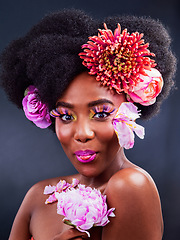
(83, 132)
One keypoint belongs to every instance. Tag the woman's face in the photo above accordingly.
(85, 128)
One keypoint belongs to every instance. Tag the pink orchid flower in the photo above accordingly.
(125, 126)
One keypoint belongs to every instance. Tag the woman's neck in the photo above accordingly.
(119, 163)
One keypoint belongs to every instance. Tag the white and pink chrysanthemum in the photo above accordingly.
(117, 58)
(125, 126)
(61, 186)
(82, 207)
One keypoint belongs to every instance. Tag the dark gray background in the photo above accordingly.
(29, 154)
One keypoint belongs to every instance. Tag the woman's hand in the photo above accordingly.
(71, 234)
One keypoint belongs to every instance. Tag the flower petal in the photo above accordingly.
(125, 135)
(129, 110)
(81, 230)
(51, 199)
(49, 189)
(124, 124)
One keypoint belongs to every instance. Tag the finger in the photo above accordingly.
(78, 238)
(71, 234)
(77, 234)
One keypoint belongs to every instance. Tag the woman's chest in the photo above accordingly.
(46, 224)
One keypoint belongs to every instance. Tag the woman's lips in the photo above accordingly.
(85, 156)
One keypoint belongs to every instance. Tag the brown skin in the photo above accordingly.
(128, 188)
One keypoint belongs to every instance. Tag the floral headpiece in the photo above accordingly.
(121, 62)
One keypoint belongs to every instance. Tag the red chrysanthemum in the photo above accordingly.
(117, 59)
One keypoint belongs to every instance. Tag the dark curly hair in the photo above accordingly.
(47, 56)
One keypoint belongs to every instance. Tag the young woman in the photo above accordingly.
(92, 107)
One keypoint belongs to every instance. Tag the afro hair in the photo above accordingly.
(47, 57)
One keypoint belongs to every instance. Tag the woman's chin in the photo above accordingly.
(88, 171)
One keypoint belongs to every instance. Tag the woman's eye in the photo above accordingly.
(66, 118)
(101, 115)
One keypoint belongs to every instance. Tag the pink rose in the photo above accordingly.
(34, 109)
(145, 92)
(83, 207)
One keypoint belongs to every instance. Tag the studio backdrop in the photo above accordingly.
(29, 154)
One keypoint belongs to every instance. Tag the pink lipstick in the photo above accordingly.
(85, 156)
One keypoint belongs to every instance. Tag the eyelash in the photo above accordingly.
(104, 110)
(63, 113)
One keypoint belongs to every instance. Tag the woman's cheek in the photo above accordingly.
(105, 131)
(63, 131)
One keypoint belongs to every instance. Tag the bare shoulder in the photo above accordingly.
(36, 192)
(34, 197)
(21, 225)
(134, 179)
(133, 187)
(133, 194)
(34, 202)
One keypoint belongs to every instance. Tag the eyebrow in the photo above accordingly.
(99, 101)
(91, 104)
(64, 104)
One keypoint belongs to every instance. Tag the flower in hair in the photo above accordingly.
(120, 60)
(81, 206)
(146, 91)
(125, 126)
(34, 109)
